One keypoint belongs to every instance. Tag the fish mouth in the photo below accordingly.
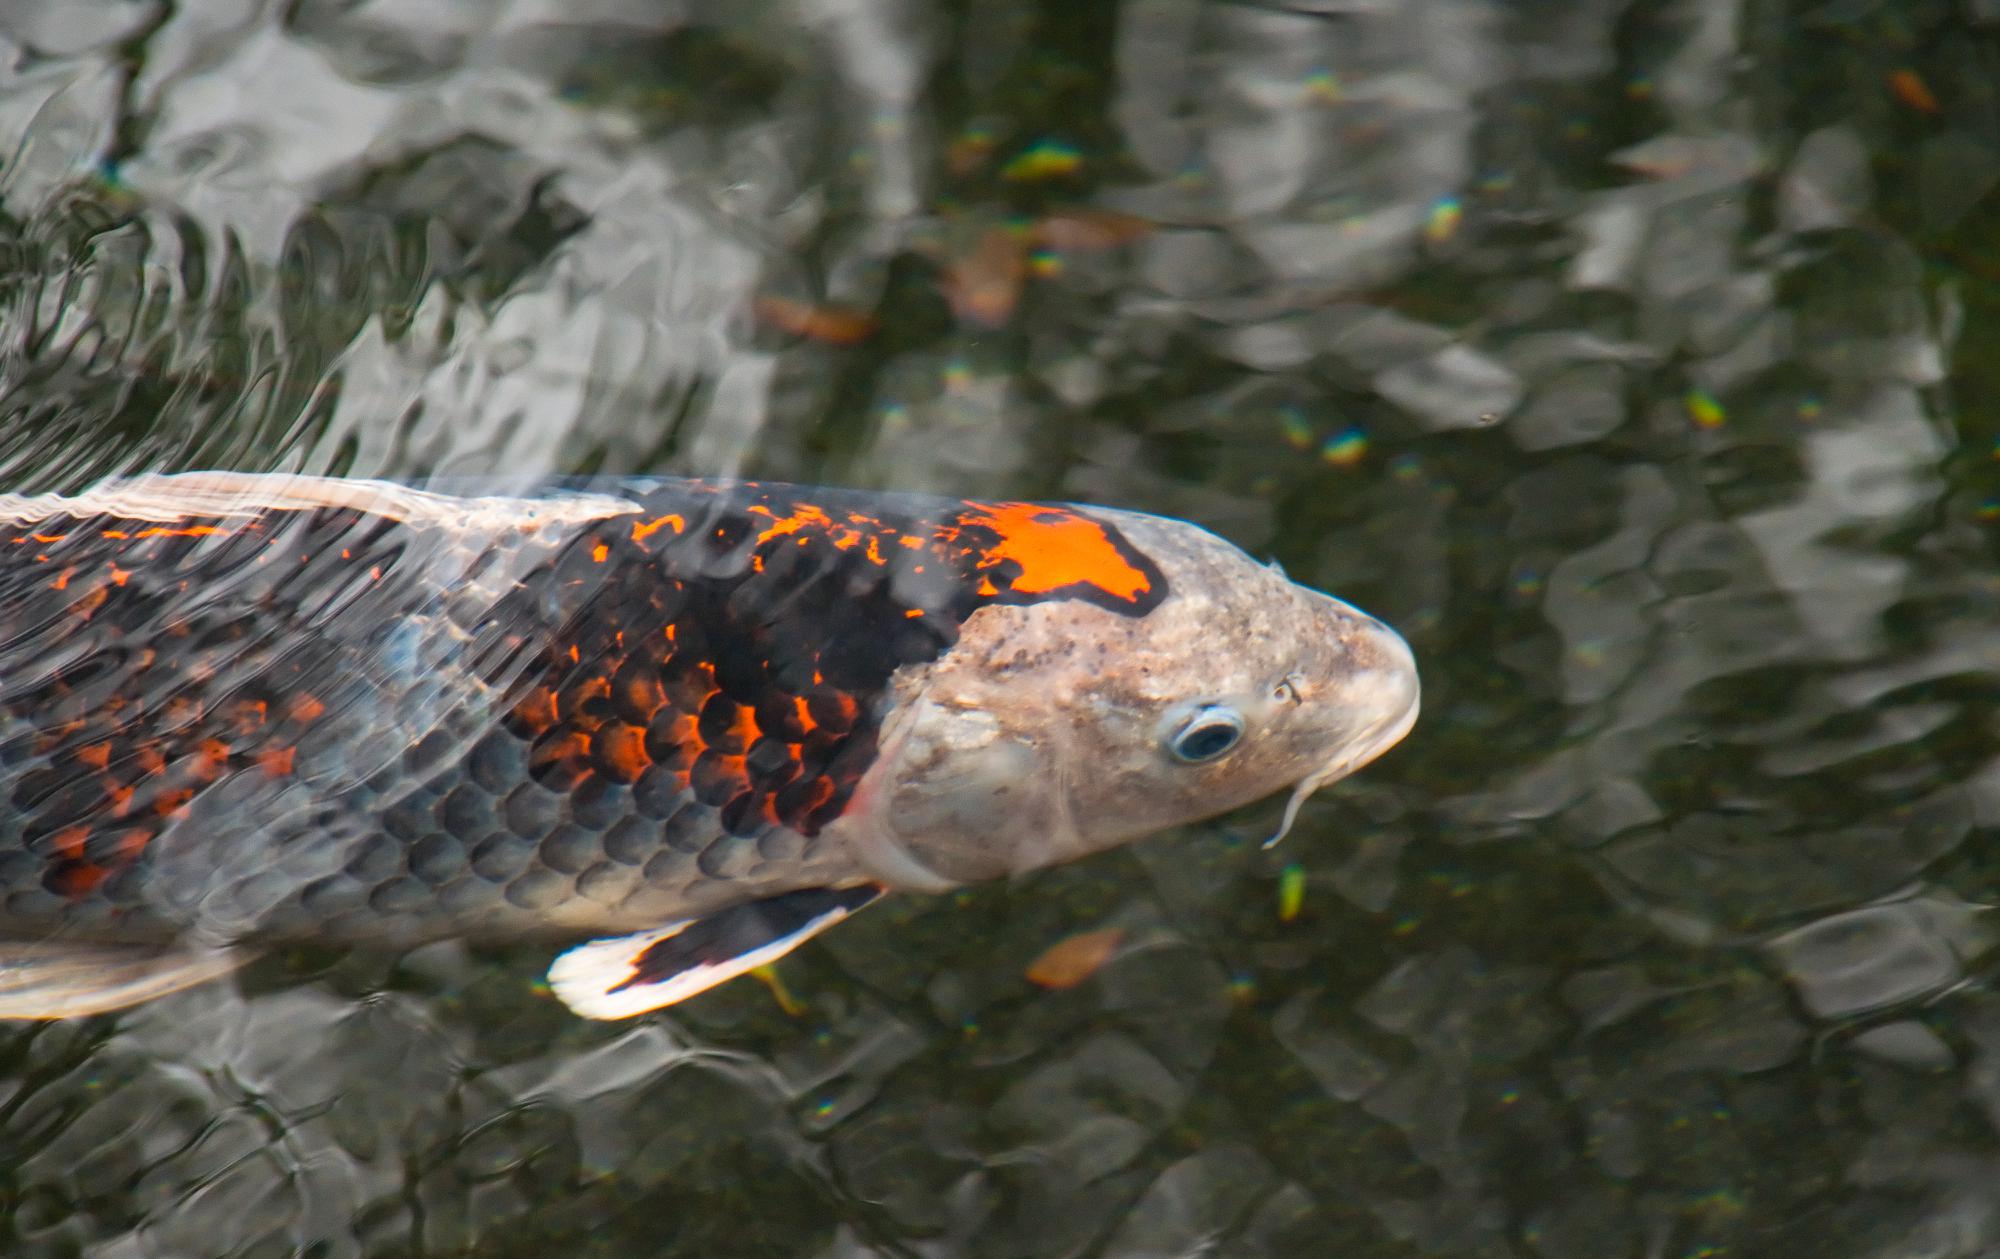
(1400, 693)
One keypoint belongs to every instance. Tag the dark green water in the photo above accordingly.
(1633, 358)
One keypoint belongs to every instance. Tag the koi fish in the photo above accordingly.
(679, 725)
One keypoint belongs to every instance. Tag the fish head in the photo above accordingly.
(1059, 727)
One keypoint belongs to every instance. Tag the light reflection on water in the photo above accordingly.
(1631, 358)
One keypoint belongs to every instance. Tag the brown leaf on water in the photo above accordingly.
(983, 284)
(1909, 87)
(1068, 962)
(1085, 230)
(968, 152)
(831, 325)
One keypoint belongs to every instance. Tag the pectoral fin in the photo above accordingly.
(627, 975)
(66, 979)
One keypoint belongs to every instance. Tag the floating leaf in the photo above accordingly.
(983, 284)
(969, 151)
(1085, 230)
(833, 325)
(1913, 91)
(1070, 961)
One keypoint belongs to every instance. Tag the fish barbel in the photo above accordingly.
(698, 720)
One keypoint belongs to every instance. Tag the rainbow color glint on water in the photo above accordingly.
(1344, 449)
(1049, 159)
(1704, 410)
(1446, 214)
(1291, 891)
(1298, 430)
(1323, 87)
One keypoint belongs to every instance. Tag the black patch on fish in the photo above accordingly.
(724, 936)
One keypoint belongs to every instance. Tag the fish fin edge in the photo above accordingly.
(68, 979)
(619, 977)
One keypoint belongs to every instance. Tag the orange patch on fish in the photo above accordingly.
(1058, 549)
(642, 531)
(87, 606)
(621, 753)
(803, 516)
(69, 841)
(77, 879)
(192, 531)
(1070, 961)
(210, 756)
(538, 710)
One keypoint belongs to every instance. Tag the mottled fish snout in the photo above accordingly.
(1378, 690)
(1385, 685)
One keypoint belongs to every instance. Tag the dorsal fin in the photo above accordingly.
(167, 497)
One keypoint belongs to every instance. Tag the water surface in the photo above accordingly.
(1634, 357)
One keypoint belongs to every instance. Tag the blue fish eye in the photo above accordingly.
(1207, 734)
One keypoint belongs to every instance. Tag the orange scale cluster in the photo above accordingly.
(673, 738)
(761, 762)
(726, 725)
(128, 778)
(131, 734)
(805, 525)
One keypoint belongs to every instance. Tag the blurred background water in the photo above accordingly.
(1634, 357)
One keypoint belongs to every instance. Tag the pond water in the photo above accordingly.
(1633, 357)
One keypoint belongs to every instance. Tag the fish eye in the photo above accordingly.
(1209, 732)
